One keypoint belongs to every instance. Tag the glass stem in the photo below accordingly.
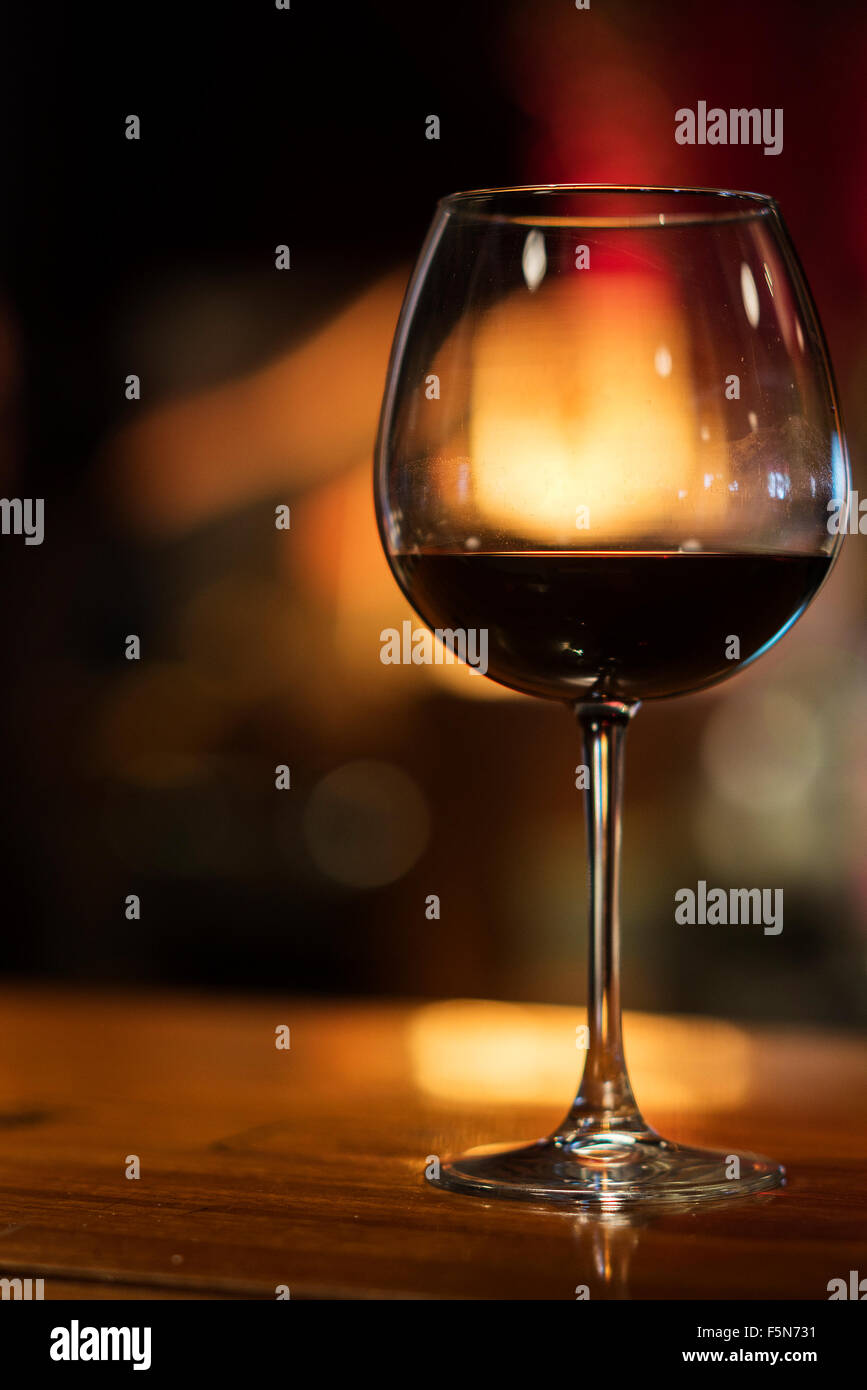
(604, 1100)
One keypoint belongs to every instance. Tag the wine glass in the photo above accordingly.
(609, 447)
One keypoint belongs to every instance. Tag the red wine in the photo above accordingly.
(630, 625)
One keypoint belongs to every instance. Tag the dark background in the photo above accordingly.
(260, 647)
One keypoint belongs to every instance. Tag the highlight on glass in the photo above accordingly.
(610, 439)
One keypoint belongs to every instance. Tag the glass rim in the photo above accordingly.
(514, 203)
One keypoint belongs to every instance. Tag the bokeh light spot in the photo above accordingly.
(366, 824)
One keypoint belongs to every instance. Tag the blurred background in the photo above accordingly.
(261, 387)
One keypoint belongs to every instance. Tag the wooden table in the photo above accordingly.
(303, 1167)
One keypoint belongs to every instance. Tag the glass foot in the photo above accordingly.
(608, 1169)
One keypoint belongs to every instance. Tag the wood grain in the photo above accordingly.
(303, 1168)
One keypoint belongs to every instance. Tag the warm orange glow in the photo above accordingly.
(583, 397)
(483, 1052)
(337, 557)
(303, 417)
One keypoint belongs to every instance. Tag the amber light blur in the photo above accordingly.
(479, 1051)
(303, 417)
(583, 397)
